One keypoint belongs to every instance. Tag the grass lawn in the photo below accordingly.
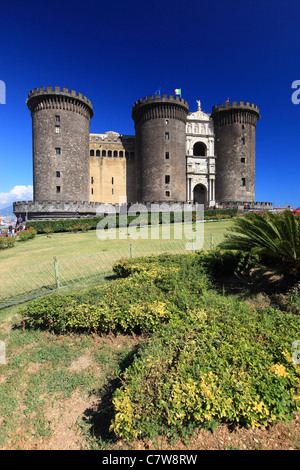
(63, 245)
(49, 381)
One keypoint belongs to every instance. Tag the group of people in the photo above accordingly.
(12, 230)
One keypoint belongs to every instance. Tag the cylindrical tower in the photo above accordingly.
(160, 148)
(235, 127)
(60, 138)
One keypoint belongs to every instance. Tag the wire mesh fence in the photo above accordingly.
(26, 283)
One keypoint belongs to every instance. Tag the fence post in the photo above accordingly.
(56, 272)
(131, 251)
(212, 241)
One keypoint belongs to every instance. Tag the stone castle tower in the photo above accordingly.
(174, 156)
(160, 124)
(234, 127)
(60, 136)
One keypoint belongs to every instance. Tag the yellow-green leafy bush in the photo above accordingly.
(151, 295)
(225, 362)
(210, 358)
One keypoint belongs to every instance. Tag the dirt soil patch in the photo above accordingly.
(62, 418)
(283, 436)
(66, 434)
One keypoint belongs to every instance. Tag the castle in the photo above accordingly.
(175, 155)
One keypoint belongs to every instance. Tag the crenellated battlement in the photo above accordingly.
(246, 105)
(161, 99)
(59, 91)
(160, 107)
(241, 112)
(53, 95)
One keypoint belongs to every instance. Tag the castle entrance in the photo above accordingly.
(200, 194)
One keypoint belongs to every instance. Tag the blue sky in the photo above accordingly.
(117, 52)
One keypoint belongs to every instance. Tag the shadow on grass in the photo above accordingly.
(98, 419)
(257, 281)
(263, 287)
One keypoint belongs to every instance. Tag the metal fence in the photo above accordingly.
(26, 283)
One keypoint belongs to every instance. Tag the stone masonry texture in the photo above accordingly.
(61, 164)
(74, 171)
(160, 128)
(235, 127)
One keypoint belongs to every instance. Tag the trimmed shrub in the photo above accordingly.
(26, 234)
(222, 363)
(210, 358)
(121, 306)
(64, 225)
(47, 229)
(81, 227)
(6, 242)
(140, 302)
(225, 262)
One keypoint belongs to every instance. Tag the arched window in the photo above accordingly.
(115, 153)
(121, 153)
(199, 149)
(109, 153)
(97, 153)
(103, 153)
(92, 153)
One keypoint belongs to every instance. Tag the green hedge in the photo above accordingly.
(148, 291)
(209, 359)
(224, 363)
(64, 225)
(6, 242)
(212, 213)
(140, 302)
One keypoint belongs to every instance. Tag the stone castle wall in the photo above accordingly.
(60, 134)
(112, 168)
(235, 127)
(161, 148)
(75, 172)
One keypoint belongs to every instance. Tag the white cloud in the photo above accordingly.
(18, 193)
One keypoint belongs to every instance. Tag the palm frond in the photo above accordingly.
(276, 235)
